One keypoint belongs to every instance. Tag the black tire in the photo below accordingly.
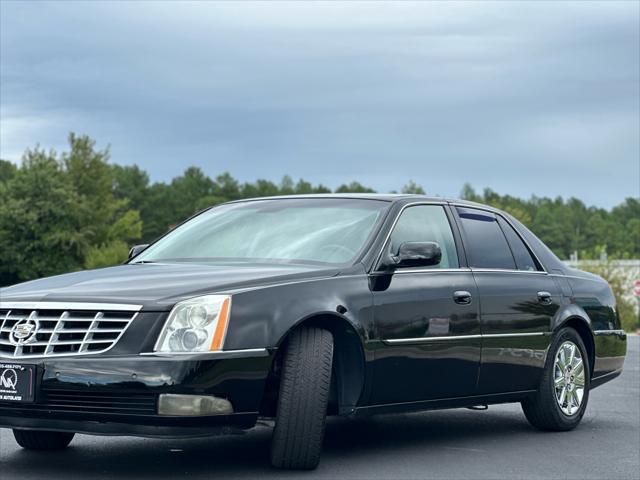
(542, 409)
(42, 440)
(302, 402)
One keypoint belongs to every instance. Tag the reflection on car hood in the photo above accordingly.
(156, 286)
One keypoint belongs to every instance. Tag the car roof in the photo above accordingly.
(386, 197)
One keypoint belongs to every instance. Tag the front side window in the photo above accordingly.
(325, 231)
(426, 223)
(486, 244)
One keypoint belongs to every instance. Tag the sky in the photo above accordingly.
(527, 98)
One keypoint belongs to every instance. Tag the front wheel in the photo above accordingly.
(302, 401)
(562, 396)
(42, 440)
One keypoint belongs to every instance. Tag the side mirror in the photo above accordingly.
(418, 254)
(136, 250)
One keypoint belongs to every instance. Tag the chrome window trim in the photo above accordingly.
(405, 271)
(497, 212)
(44, 305)
(507, 270)
(401, 341)
(393, 226)
(462, 269)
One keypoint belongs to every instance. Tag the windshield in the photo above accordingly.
(329, 231)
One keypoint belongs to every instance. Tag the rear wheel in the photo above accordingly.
(302, 400)
(561, 399)
(42, 440)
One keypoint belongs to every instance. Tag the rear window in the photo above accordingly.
(487, 245)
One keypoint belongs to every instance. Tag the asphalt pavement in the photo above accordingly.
(454, 444)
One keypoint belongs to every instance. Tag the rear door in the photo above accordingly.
(426, 318)
(517, 302)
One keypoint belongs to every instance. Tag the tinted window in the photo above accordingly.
(487, 246)
(426, 223)
(524, 259)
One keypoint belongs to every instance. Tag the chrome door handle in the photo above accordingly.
(462, 297)
(544, 297)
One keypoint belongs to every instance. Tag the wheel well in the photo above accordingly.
(584, 331)
(348, 366)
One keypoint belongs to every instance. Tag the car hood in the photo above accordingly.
(156, 286)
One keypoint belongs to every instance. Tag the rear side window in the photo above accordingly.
(426, 223)
(524, 259)
(487, 246)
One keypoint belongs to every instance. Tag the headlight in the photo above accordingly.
(196, 325)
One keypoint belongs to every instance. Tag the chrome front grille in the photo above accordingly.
(48, 332)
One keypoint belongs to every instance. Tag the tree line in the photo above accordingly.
(61, 212)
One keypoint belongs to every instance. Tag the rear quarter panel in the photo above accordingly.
(593, 295)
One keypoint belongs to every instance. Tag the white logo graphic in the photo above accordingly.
(24, 331)
(9, 379)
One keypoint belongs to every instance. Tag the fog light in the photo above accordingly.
(193, 405)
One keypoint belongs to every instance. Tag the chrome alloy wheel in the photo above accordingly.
(568, 376)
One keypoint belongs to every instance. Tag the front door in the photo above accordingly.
(426, 319)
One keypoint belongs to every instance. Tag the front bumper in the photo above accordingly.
(118, 395)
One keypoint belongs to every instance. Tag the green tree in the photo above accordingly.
(304, 187)
(627, 238)
(468, 193)
(157, 211)
(40, 221)
(7, 170)
(287, 187)
(261, 188)
(187, 191)
(167, 205)
(60, 214)
(227, 187)
(107, 222)
(354, 187)
(130, 183)
(413, 188)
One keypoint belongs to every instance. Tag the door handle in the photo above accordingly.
(544, 297)
(462, 297)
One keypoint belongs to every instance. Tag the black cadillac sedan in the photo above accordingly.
(295, 308)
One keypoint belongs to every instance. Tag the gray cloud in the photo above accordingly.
(528, 98)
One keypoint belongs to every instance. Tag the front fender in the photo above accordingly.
(261, 317)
